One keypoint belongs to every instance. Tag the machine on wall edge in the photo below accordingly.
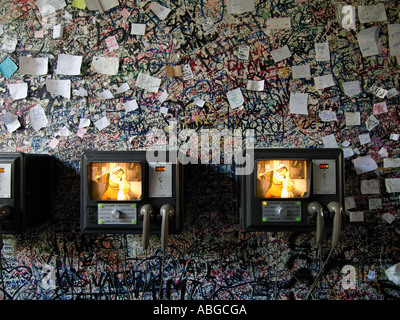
(124, 192)
(293, 189)
(26, 186)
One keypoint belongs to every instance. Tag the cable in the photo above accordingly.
(161, 276)
(1, 266)
(319, 274)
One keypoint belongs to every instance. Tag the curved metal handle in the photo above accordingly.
(315, 207)
(337, 208)
(166, 211)
(146, 211)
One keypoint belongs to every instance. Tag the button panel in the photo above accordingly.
(117, 213)
(281, 211)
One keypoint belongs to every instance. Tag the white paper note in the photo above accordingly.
(323, 82)
(351, 88)
(33, 66)
(368, 41)
(18, 90)
(391, 163)
(130, 105)
(102, 123)
(371, 122)
(254, 85)
(322, 51)
(160, 11)
(281, 53)
(371, 186)
(240, 6)
(235, 98)
(364, 164)
(394, 39)
(364, 138)
(59, 87)
(328, 115)
(69, 64)
(11, 121)
(105, 65)
(298, 103)
(301, 71)
(148, 83)
(279, 23)
(44, 4)
(37, 117)
(372, 13)
(138, 29)
(329, 141)
(353, 118)
(392, 184)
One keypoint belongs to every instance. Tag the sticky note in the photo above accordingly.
(8, 67)
(80, 4)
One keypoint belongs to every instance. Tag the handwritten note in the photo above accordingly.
(240, 6)
(37, 117)
(147, 82)
(281, 53)
(235, 98)
(105, 65)
(301, 71)
(322, 51)
(368, 41)
(394, 39)
(160, 11)
(323, 82)
(372, 13)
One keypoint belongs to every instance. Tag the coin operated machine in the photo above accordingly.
(25, 190)
(123, 192)
(293, 189)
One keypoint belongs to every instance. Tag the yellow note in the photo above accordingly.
(80, 4)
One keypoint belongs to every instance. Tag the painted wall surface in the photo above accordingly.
(213, 258)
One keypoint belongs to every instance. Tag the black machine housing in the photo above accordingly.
(26, 182)
(123, 215)
(319, 173)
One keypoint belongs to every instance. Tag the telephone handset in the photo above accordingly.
(336, 208)
(166, 211)
(146, 211)
(316, 208)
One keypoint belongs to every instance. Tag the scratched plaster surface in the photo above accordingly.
(212, 258)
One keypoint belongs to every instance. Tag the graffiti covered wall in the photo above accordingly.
(299, 73)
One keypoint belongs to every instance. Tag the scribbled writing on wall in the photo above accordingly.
(299, 73)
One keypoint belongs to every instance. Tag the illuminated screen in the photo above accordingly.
(119, 181)
(283, 178)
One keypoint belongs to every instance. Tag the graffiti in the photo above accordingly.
(212, 258)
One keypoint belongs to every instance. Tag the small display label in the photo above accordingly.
(5, 180)
(281, 211)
